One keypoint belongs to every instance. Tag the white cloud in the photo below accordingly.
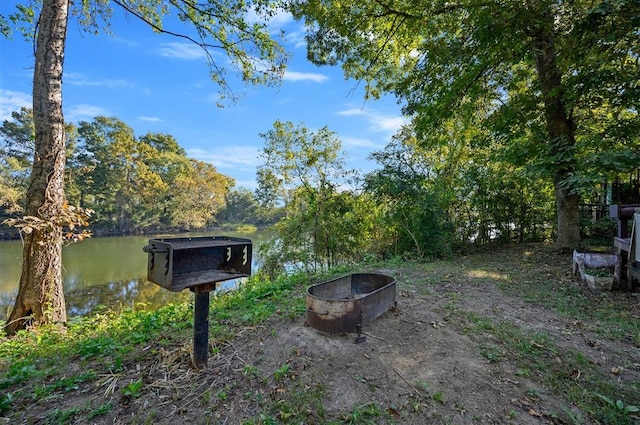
(11, 101)
(78, 79)
(351, 112)
(304, 76)
(149, 119)
(387, 123)
(357, 142)
(228, 157)
(281, 18)
(186, 51)
(80, 112)
(378, 122)
(296, 37)
(275, 20)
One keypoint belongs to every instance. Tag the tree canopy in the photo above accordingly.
(556, 80)
(323, 222)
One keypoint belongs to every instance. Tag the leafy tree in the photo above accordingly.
(16, 153)
(217, 25)
(109, 152)
(241, 207)
(538, 64)
(162, 155)
(455, 189)
(197, 195)
(269, 194)
(416, 201)
(144, 183)
(323, 225)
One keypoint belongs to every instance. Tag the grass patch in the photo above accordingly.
(38, 363)
(109, 355)
(567, 373)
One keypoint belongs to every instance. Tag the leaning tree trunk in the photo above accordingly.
(561, 134)
(40, 296)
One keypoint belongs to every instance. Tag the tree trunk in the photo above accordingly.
(40, 295)
(561, 134)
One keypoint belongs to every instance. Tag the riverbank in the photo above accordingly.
(503, 337)
(105, 271)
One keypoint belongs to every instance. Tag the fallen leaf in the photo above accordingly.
(535, 344)
(575, 373)
(393, 412)
(534, 412)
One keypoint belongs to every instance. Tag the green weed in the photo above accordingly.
(282, 372)
(365, 414)
(5, 402)
(100, 410)
(621, 406)
(62, 416)
(133, 389)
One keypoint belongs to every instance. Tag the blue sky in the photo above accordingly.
(157, 83)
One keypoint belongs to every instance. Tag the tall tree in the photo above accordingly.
(40, 294)
(545, 59)
(219, 25)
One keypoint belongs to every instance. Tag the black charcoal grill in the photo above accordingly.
(198, 264)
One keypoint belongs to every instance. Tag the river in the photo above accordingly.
(106, 272)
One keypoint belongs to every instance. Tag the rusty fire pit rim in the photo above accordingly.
(350, 275)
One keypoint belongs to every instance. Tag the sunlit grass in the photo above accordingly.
(486, 274)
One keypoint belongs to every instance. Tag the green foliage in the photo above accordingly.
(619, 405)
(549, 89)
(598, 233)
(369, 413)
(130, 183)
(282, 372)
(133, 389)
(61, 416)
(100, 410)
(241, 207)
(322, 225)
(5, 402)
(443, 192)
(16, 152)
(22, 19)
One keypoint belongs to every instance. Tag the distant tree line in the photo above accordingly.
(422, 200)
(132, 184)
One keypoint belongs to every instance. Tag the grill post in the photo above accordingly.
(198, 264)
(201, 324)
(201, 327)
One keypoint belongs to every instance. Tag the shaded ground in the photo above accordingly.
(459, 349)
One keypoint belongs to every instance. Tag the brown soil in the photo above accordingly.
(419, 363)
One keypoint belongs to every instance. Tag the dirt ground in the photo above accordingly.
(419, 363)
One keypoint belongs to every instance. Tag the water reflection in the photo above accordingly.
(121, 294)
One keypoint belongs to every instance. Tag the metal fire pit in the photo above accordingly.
(198, 264)
(347, 303)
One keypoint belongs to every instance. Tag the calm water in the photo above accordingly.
(102, 272)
